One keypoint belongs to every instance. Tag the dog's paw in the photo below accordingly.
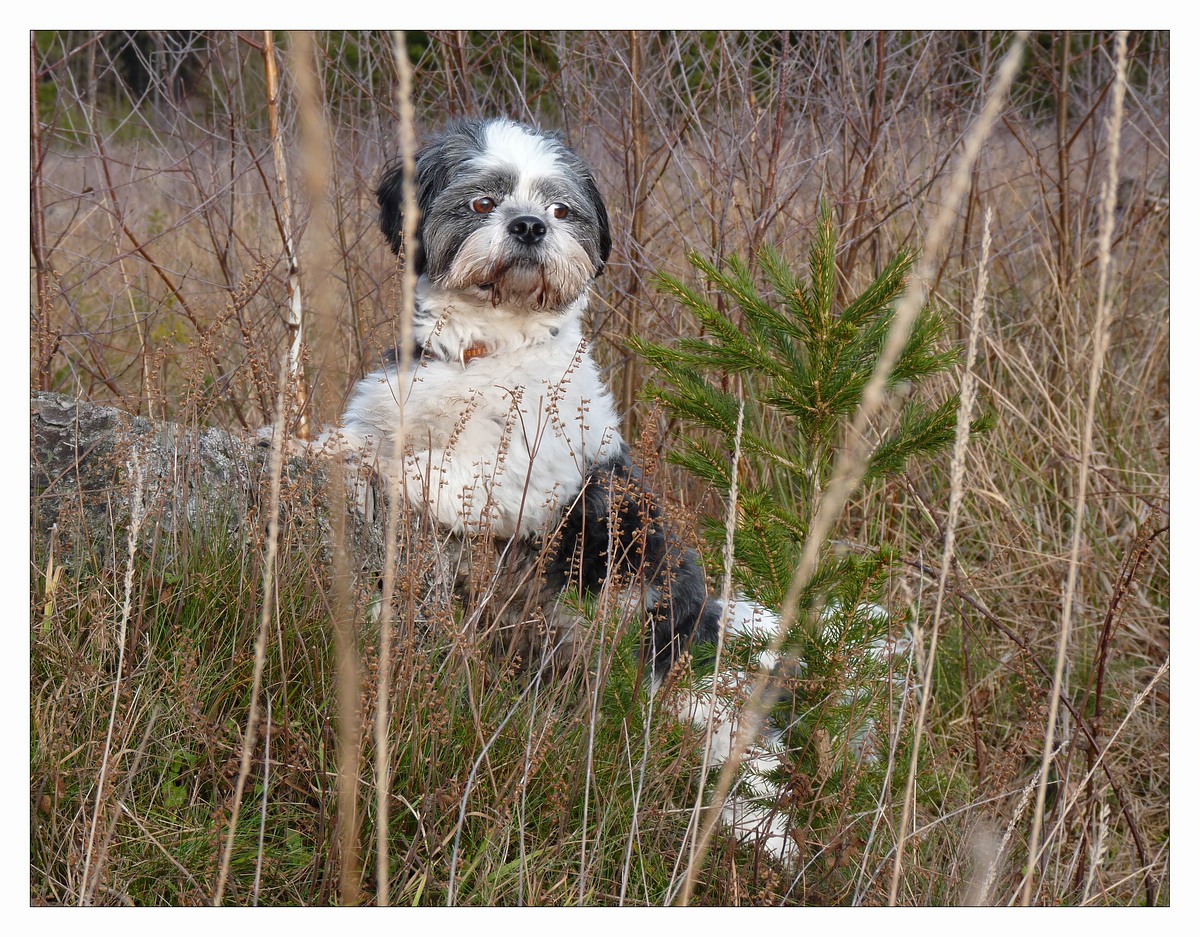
(264, 436)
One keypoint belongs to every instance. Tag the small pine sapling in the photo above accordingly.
(798, 364)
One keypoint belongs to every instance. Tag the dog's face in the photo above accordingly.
(507, 213)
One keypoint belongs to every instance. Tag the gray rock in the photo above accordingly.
(196, 482)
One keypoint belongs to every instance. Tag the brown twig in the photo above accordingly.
(294, 315)
(37, 225)
(870, 163)
(140, 249)
(1064, 167)
(634, 173)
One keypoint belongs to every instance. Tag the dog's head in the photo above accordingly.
(506, 212)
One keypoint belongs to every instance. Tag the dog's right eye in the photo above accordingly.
(483, 206)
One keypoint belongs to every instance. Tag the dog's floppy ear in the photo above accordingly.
(601, 221)
(391, 211)
(431, 178)
(435, 165)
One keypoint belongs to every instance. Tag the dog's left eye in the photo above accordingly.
(483, 206)
(559, 210)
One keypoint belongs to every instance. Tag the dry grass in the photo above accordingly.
(158, 277)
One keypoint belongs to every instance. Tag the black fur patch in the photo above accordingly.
(391, 354)
(605, 245)
(616, 528)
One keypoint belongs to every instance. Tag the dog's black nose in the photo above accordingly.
(528, 229)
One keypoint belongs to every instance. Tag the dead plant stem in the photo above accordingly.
(294, 314)
(137, 513)
(408, 279)
(1099, 345)
(962, 433)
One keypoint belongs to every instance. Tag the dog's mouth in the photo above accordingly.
(521, 282)
(535, 280)
(500, 270)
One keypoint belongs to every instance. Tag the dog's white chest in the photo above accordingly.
(498, 443)
(492, 398)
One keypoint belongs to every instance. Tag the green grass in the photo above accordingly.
(548, 791)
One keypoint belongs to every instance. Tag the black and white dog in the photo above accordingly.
(509, 431)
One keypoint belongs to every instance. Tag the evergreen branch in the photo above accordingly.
(822, 267)
(791, 290)
(921, 431)
(883, 292)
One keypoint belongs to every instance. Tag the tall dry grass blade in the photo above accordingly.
(1099, 847)
(1100, 335)
(452, 881)
(128, 786)
(395, 495)
(597, 688)
(853, 458)
(262, 818)
(137, 512)
(958, 461)
(886, 787)
(260, 642)
(726, 596)
(1080, 789)
(635, 808)
(985, 886)
(314, 149)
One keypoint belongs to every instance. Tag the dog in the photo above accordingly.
(510, 434)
